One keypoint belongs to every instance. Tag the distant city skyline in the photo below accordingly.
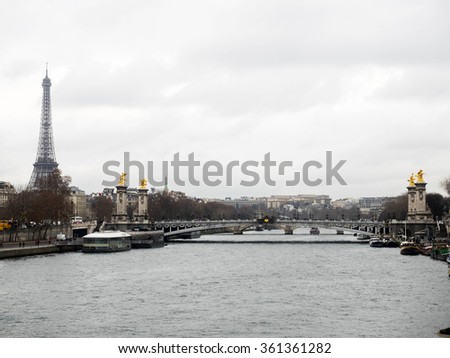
(228, 81)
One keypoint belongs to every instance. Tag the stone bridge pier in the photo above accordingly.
(239, 229)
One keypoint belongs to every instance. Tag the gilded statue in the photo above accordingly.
(143, 183)
(411, 180)
(420, 176)
(122, 178)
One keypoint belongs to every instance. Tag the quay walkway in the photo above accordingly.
(13, 249)
(11, 252)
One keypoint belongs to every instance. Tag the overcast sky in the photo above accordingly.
(231, 80)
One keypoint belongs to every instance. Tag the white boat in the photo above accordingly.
(377, 242)
(106, 241)
(362, 237)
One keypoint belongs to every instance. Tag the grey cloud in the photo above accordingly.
(231, 79)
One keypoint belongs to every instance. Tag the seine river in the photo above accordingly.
(291, 289)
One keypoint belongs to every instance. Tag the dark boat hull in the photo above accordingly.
(147, 243)
(376, 244)
(410, 251)
(445, 332)
(391, 243)
(104, 250)
(440, 252)
(147, 239)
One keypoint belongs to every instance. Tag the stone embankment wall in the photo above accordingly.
(28, 251)
(32, 234)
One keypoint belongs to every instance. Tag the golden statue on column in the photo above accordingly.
(143, 183)
(420, 176)
(122, 179)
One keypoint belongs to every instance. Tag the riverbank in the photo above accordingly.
(8, 253)
(32, 249)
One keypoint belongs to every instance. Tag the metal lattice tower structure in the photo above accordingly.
(45, 160)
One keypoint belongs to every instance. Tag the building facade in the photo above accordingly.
(276, 201)
(78, 202)
(6, 190)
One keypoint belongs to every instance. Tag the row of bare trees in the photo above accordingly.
(41, 207)
(162, 206)
(48, 202)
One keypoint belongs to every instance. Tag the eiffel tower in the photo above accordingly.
(45, 160)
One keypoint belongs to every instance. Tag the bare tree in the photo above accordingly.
(446, 185)
(437, 204)
(103, 208)
(53, 203)
(395, 208)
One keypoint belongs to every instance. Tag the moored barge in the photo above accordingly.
(106, 241)
(146, 239)
(409, 248)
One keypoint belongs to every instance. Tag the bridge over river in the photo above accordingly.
(191, 229)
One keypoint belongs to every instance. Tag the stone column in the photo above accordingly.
(417, 204)
(411, 199)
(421, 203)
(142, 204)
(419, 220)
(121, 203)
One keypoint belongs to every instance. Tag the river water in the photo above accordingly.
(229, 287)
